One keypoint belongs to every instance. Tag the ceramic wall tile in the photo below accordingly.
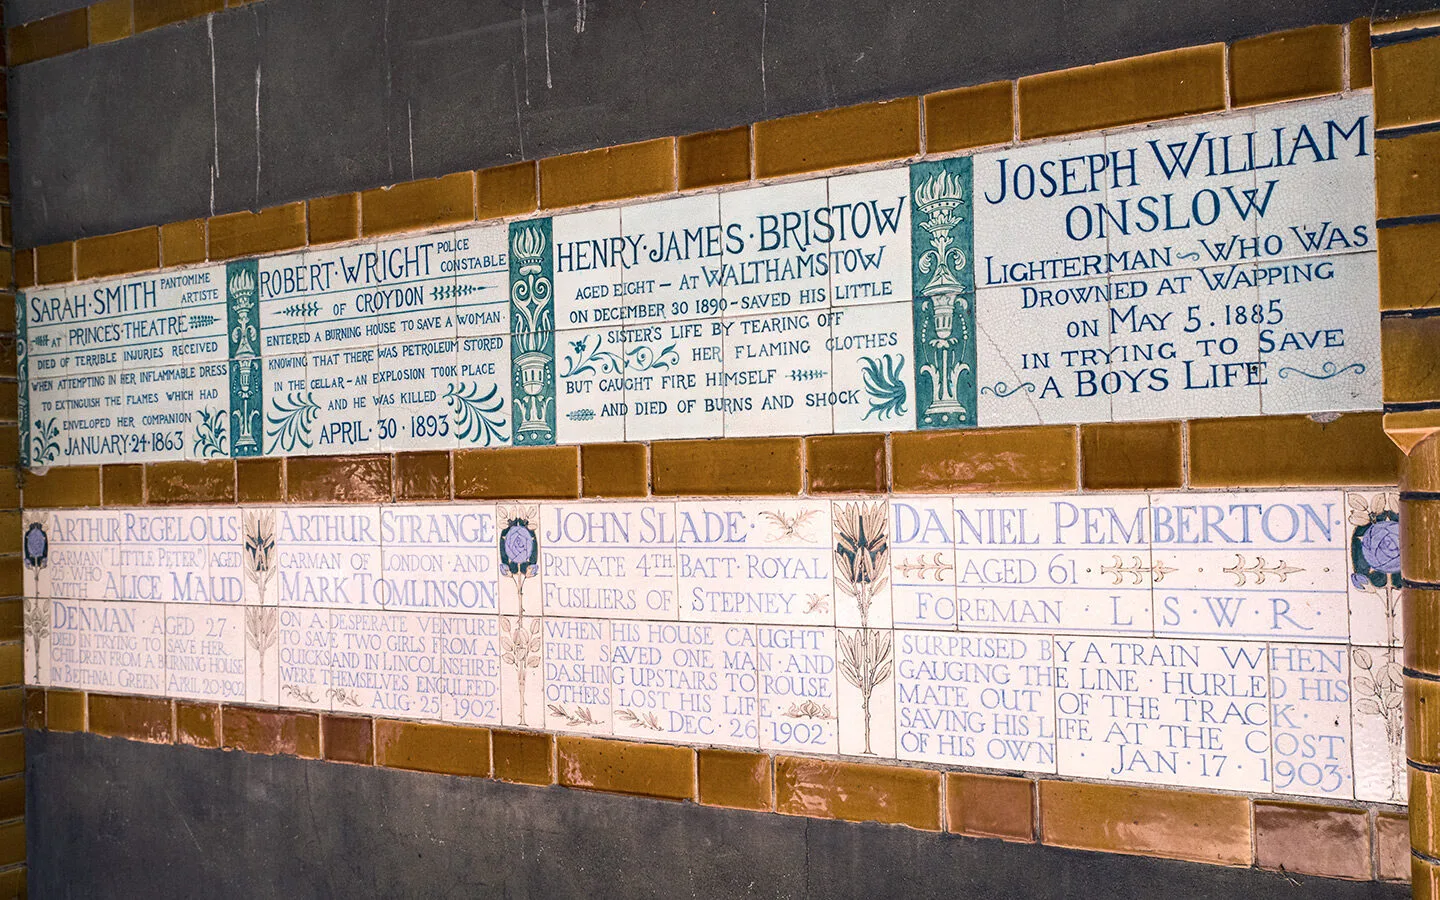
(861, 542)
(1163, 712)
(976, 700)
(943, 255)
(481, 268)
(289, 413)
(578, 691)
(328, 556)
(87, 428)
(166, 556)
(922, 562)
(612, 560)
(865, 691)
(469, 647)
(776, 249)
(336, 412)
(675, 382)
(309, 301)
(37, 617)
(108, 646)
(590, 255)
(438, 558)
(590, 385)
(262, 653)
(73, 554)
(677, 272)
(386, 663)
(412, 291)
(306, 647)
(413, 393)
(683, 681)
(522, 678)
(798, 682)
(478, 396)
(755, 561)
(777, 374)
(1378, 723)
(533, 320)
(1310, 720)
(872, 368)
(1054, 564)
(868, 223)
(1262, 565)
(1373, 552)
(521, 586)
(205, 652)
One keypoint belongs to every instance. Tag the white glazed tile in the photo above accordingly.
(438, 558)
(610, 560)
(482, 280)
(869, 252)
(262, 651)
(591, 255)
(343, 416)
(577, 675)
(1378, 723)
(978, 700)
(1163, 712)
(1020, 202)
(165, 416)
(469, 648)
(1324, 199)
(1053, 564)
(1259, 566)
(681, 252)
(478, 393)
(259, 556)
(861, 542)
(922, 562)
(306, 649)
(675, 384)
(45, 388)
(755, 561)
(38, 617)
(873, 368)
(522, 676)
(798, 708)
(380, 659)
(328, 556)
(1310, 720)
(865, 658)
(95, 424)
(412, 295)
(521, 571)
(682, 681)
(108, 647)
(290, 412)
(1373, 554)
(778, 374)
(590, 385)
(166, 555)
(411, 395)
(1325, 353)
(309, 302)
(205, 652)
(82, 552)
(775, 250)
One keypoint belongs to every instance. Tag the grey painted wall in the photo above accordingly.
(288, 99)
(110, 818)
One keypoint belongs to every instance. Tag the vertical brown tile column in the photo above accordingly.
(1405, 56)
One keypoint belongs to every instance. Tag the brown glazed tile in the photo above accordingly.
(12, 883)
(1424, 879)
(524, 757)
(1405, 92)
(9, 533)
(12, 843)
(990, 806)
(504, 473)
(22, 265)
(1422, 466)
(9, 390)
(12, 753)
(1420, 549)
(728, 466)
(11, 577)
(614, 470)
(1287, 65)
(270, 731)
(1410, 358)
(197, 724)
(715, 157)
(1412, 428)
(332, 219)
(424, 203)
(8, 359)
(338, 479)
(857, 792)
(1392, 847)
(12, 663)
(64, 487)
(507, 190)
(191, 481)
(34, 703)
(182, 243)
(1410, 266)
(1209, 828)
(735, 779)
(118, 254)
(1267, 451)
(10, 488)
(1406, 23)
(1139, 89)
(1407, 175)
(252, 233)
(50, 36)
(12, 797)
(135, 718)
(1359, 54)
(12, 627)
(64, 710)
(110, 21)
(611, 173)
(123, 485)
(12, 711)
(422, 475)
(155, 13)
(846, 463)
(1424, 810)
(7, 311)
(1312, 840)
(969, 117)
(1039, 458)
(1131, 455)
(259, 480)
(348, 739)
(1421, 614)
(622, 767)
(55, 263)
(449, 749)
(7, 230)
(1422, 721)
(834, 138)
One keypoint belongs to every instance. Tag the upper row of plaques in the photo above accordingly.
(1220, 266)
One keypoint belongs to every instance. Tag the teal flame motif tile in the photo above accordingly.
(532, 322)
(22, 370)
(242, 309)
(942, 247)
